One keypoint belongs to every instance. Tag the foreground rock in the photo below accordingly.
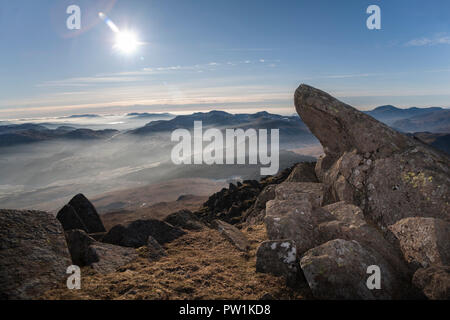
(434, 282)
(424, 241)
(232, 234)
(33, 254)
(278, 257)
(81, 214)
(338, 270)
(102, 257)
(388, 174)
(185, 219)
(295, 220)
(135, 234)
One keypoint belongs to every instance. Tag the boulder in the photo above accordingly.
(232, 234)
(338, 270)
(278, 257)
(371, 238)
(423, 241)
(155, 250)
(80, 213)
(303, 172)
(33, 254)
(184, 219)
(135, 234)
(312, 192)
(291, 219)
(102, 257)
(434, 282)
(390, 175)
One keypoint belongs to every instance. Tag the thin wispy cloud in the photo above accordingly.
(140, 75)
(436, 40)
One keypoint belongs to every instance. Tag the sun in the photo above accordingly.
(126, 41)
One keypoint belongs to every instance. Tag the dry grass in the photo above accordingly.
(200, 265)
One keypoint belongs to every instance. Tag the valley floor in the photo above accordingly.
(199, 265)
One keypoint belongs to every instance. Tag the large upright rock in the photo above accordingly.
(81, 214)
(33, 254)
(102, 257)
(388, 174)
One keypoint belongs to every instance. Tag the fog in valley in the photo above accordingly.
(45, 175)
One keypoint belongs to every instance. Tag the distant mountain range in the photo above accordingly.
(292, 129)
(434, 119)
(15, 134)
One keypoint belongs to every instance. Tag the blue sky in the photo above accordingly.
(234, 55)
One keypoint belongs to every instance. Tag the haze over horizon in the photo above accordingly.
(204, 55)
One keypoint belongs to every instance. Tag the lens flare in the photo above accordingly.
(126, 41)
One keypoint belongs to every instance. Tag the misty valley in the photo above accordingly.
(43, 165)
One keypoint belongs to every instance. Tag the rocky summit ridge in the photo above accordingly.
(377, 200)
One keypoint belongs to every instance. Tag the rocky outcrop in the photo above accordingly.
(388, 174)
(135, 234)
(256, 213)
(81, 214)
(237, 204)
(338, 270)
(278, 257)
(102, 257)
(434, 282)
(229, 204)
(424, 241)
(185, 219)
(232, 234)
(33, 254)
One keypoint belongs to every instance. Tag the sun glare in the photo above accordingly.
(126, 42)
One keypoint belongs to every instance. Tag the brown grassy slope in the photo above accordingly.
(156, 211)
(199, 265)
(140, 197)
